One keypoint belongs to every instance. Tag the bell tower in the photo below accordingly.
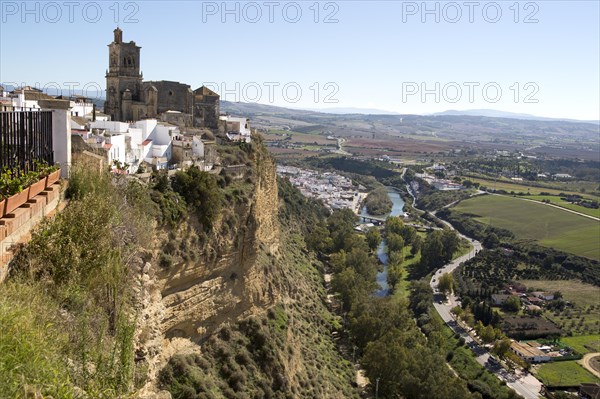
(123, 74)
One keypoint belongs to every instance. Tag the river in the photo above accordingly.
(397, 210)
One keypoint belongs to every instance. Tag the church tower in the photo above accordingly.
(123, 76)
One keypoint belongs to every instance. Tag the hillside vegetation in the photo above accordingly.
(100, 300)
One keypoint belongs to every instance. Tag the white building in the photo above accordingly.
(143, 141)
(237, 129)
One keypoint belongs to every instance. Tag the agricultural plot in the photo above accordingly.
(584, 343)
(564, 374)
(555, 200)
(548, 226)
(523, 187)
(584, 315)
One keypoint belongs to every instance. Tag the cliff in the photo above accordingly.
(163, 291)
(248, 315)
(183, 305)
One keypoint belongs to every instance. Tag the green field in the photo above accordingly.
(523, 187)
(548, 226)
(557, 201)
(564, 374)
(555, 188)
(584, 343)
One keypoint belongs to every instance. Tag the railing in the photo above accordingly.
(25, 137)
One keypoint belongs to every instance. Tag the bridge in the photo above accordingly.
(380, 221)
(373, 219)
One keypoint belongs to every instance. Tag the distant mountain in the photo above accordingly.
(353, 110)
(492, 113)
(249, 109)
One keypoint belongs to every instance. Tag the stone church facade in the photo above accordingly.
(129, 98)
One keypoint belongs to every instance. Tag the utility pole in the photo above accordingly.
(377, 388)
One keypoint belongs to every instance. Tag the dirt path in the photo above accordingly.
(585, 362)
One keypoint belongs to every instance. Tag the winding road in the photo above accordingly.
(524, 384)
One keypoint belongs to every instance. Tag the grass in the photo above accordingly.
(402, 289)
(564, 374)
(548, 226)
(584, 343)
(31, 343)
(524, 187)
(555, 200)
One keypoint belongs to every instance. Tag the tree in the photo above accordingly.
(201, 192)
(393, 224)
(394, 275)
(491, 240)
(407, 367)
(432, 252)
(417, 244)
(486, 333)
(396, 257)
(512, 303)
(395, 242)
(450, 242)
(408, 233)
(319, 240)
(446, 283)
(373, 239)
(557, 295)
(457, 311)
(501, 346)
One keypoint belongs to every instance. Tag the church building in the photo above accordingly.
(129, 98)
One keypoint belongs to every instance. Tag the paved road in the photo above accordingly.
(525, 385)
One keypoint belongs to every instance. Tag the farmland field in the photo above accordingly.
(524, 187)
(557, 201)
(564, 374)
(548, 226)
(584, 343)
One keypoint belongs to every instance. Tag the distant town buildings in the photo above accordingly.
(334, 190)
(439, 184)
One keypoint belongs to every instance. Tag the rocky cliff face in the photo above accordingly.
(183, 305)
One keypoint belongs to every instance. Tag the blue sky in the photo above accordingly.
(540, 57)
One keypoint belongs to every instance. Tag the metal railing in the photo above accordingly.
(25, 137)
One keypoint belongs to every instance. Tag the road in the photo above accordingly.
(524, 384)
(585, 362)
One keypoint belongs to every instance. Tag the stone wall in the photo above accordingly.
(173, 96)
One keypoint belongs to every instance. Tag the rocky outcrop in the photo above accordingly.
(185, 304)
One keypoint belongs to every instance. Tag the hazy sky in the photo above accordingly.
(537, 57)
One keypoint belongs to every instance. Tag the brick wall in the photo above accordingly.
(16, 227)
